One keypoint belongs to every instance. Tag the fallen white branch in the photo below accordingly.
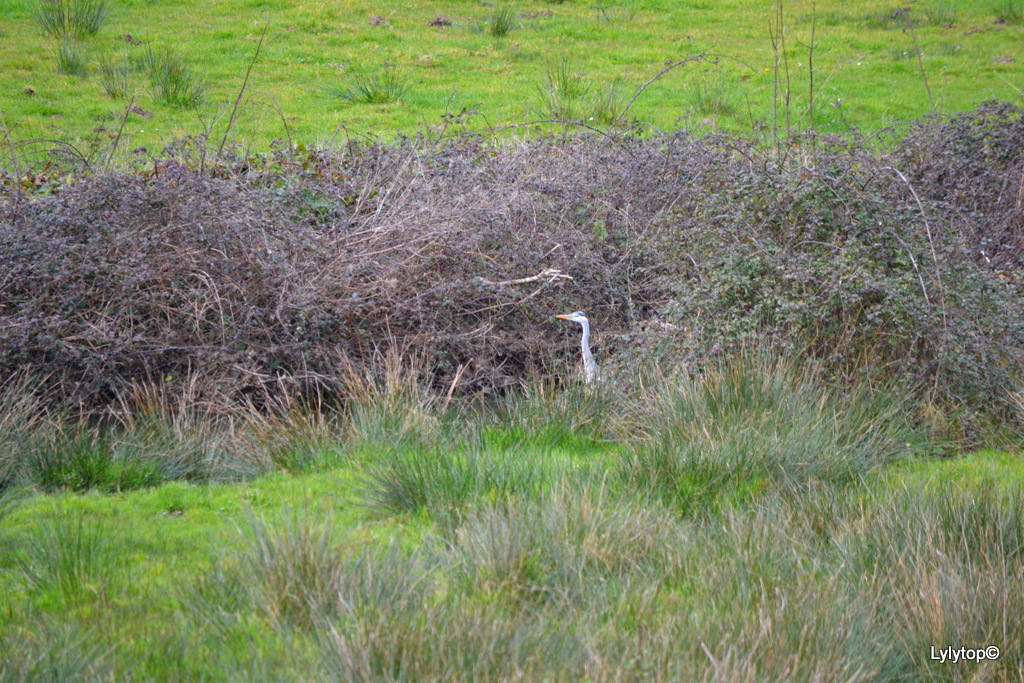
(548, 275)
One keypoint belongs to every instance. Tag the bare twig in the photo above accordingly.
(14, 160)
(455, 382)
(241, 92)
(905, 15)
(810, 64)
(935, 260)
(658, 75)
(129, 108)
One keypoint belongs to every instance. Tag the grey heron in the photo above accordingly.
(590, 371)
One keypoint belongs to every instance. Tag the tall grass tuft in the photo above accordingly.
(180, 435)
(25, 427)
(755, 422)
(71, 555)
(115, 78)
(545, 416)
(939, 12)
(563, 547)
(71, 59)
(299, 569)
(71, 18)
(52, 652)
(385, 85)
(766, 597)
(563, 90)
(502, 20)
(86, 459)
(712, 96)
(1009, 11)
(443, 483)
(945, 564)
(606, 104)
(298, 439)
(389, 405)
(174, 79)
(297, 575)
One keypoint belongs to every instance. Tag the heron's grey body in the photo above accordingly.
(590, 371)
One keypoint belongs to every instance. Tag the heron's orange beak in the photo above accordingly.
(564, 316)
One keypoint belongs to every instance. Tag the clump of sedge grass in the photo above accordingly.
(755, 422)
(71, 18)
(1009, 11)
(299, 569)
(296, 574)
(115, 78)
(71, 59)
(940, 12)
(72, 555)
(175, 80)
(606, 104)
(53, 651)
(562, 91)
(381, 86)
(444, 484)
(502, 20)
(712, 96)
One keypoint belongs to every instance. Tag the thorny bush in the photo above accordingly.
(251, 272)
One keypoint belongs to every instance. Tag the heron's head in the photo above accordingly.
(576, 317)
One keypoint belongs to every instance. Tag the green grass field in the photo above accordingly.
(579, 60)
(291, 578)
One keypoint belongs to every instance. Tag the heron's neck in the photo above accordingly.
(585, 342)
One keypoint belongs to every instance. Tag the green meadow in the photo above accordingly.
(183, 64)
(746, 525)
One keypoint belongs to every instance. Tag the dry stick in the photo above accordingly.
(905, 13)
(810, 64)
(785, 70)
(648, 83)
(455, 382)
(120, 131)
(935, 259)
(14, 161)
(276, 107)
(545, 277)
(241, 92)
(548, 275)
(775, 85)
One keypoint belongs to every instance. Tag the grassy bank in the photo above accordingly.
(750, 523)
